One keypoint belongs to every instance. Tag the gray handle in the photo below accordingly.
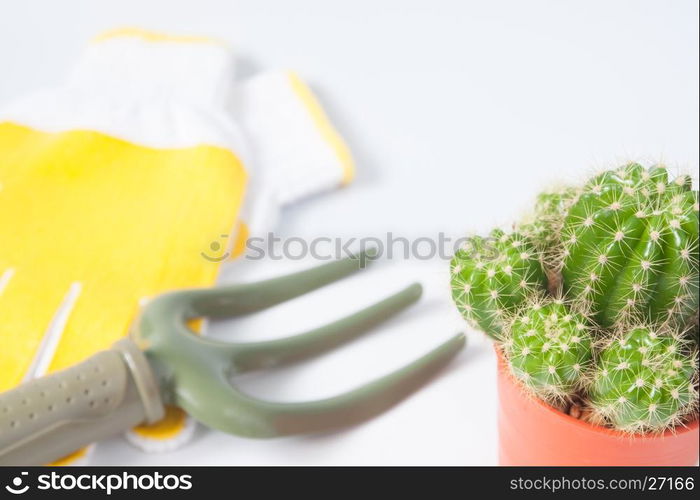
(50, 417)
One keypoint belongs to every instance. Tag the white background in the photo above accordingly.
(457, 112)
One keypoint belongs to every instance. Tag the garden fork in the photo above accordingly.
(164, 362)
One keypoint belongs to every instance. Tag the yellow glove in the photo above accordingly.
(113, 185)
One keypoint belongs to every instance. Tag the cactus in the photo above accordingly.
(492, 276)
(629, 247)
(549, 348)
(644, 381)
(544, 226)
(623, 252)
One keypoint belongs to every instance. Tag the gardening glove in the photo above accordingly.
(114, 185)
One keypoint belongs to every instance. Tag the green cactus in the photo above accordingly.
(644, 381)
(543, 227)
(623, 251)
(492, 276)
(629, 247)
(549, 348)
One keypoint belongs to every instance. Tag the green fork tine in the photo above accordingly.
(196, 370)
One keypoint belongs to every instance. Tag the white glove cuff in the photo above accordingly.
(298, 151)
(140, 65)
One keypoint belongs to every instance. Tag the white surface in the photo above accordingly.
(457, 112)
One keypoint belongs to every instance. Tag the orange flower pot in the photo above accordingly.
(530, 432)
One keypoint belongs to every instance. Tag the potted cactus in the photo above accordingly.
(593, 306)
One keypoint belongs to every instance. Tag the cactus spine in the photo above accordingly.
(629, 247)
(491, 277)
(549, 348)
(644, 381)
(544, 226)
